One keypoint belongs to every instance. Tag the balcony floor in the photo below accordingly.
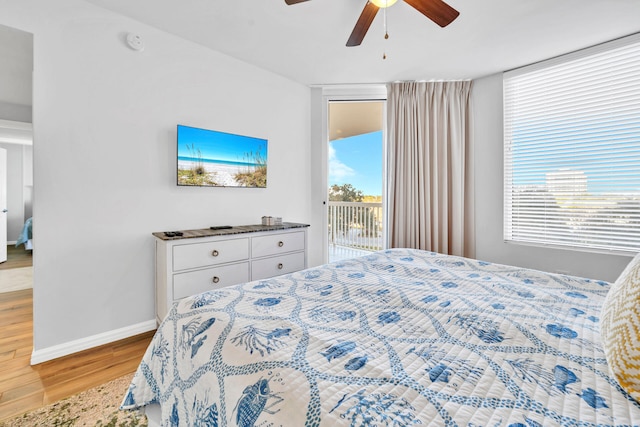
(338, 253)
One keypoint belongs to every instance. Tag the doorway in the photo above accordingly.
(355, 219)
(16, 140)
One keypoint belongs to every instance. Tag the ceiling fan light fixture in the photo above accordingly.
(383, 3)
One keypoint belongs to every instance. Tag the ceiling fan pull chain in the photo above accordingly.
(386, 33)
(384, 16)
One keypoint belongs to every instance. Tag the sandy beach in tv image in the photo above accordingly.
(222, 173)
(217, 159)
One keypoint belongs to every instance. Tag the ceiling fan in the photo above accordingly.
(436, 10)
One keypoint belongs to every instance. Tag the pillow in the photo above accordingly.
(620, 328)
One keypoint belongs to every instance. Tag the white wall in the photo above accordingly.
(15, 112)
(487, 96)
(319, 183)
(16, 51)
(104, 158)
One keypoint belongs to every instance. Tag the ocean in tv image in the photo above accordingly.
(217, 159)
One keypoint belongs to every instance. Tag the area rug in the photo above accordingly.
(96, 407)
(16, 279)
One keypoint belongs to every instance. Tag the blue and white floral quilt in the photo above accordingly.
(398, 338)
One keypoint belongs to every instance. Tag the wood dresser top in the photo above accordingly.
(240, 229)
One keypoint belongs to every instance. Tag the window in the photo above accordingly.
(572, 150)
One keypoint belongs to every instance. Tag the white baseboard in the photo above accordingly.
(11, 242)
(50, 353)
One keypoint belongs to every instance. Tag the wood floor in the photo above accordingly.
(17, 258)
(24, 387)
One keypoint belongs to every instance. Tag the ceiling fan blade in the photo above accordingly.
(362, 26)
(290, 2)
(436, 10)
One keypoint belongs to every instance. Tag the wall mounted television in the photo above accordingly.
(209, 158)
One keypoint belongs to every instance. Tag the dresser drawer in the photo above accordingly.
(195, 282)
(209, 253)
(276, 244)
(275, 266)
(187, 265)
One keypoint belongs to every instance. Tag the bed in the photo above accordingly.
(26, 235)
(397, 338)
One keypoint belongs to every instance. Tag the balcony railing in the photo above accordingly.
(356, 225)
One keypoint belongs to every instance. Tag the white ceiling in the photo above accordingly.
(354, 118)
(306, 41)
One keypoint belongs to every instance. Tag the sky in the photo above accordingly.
(219, 145)
(357, 160)
(603, 153)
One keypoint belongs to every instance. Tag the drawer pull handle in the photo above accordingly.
(215, 253)
(216, 279)
(281, 243)
(280, 266)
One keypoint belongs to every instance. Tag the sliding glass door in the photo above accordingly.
(355, 154)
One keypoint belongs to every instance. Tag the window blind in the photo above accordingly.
(572, 150)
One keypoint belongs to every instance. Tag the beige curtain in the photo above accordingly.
(429, 167)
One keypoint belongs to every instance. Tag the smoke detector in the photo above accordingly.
(135, 42)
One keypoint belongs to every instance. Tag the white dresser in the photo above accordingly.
(201, 260)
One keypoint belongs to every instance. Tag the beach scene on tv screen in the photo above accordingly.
(218, 159)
